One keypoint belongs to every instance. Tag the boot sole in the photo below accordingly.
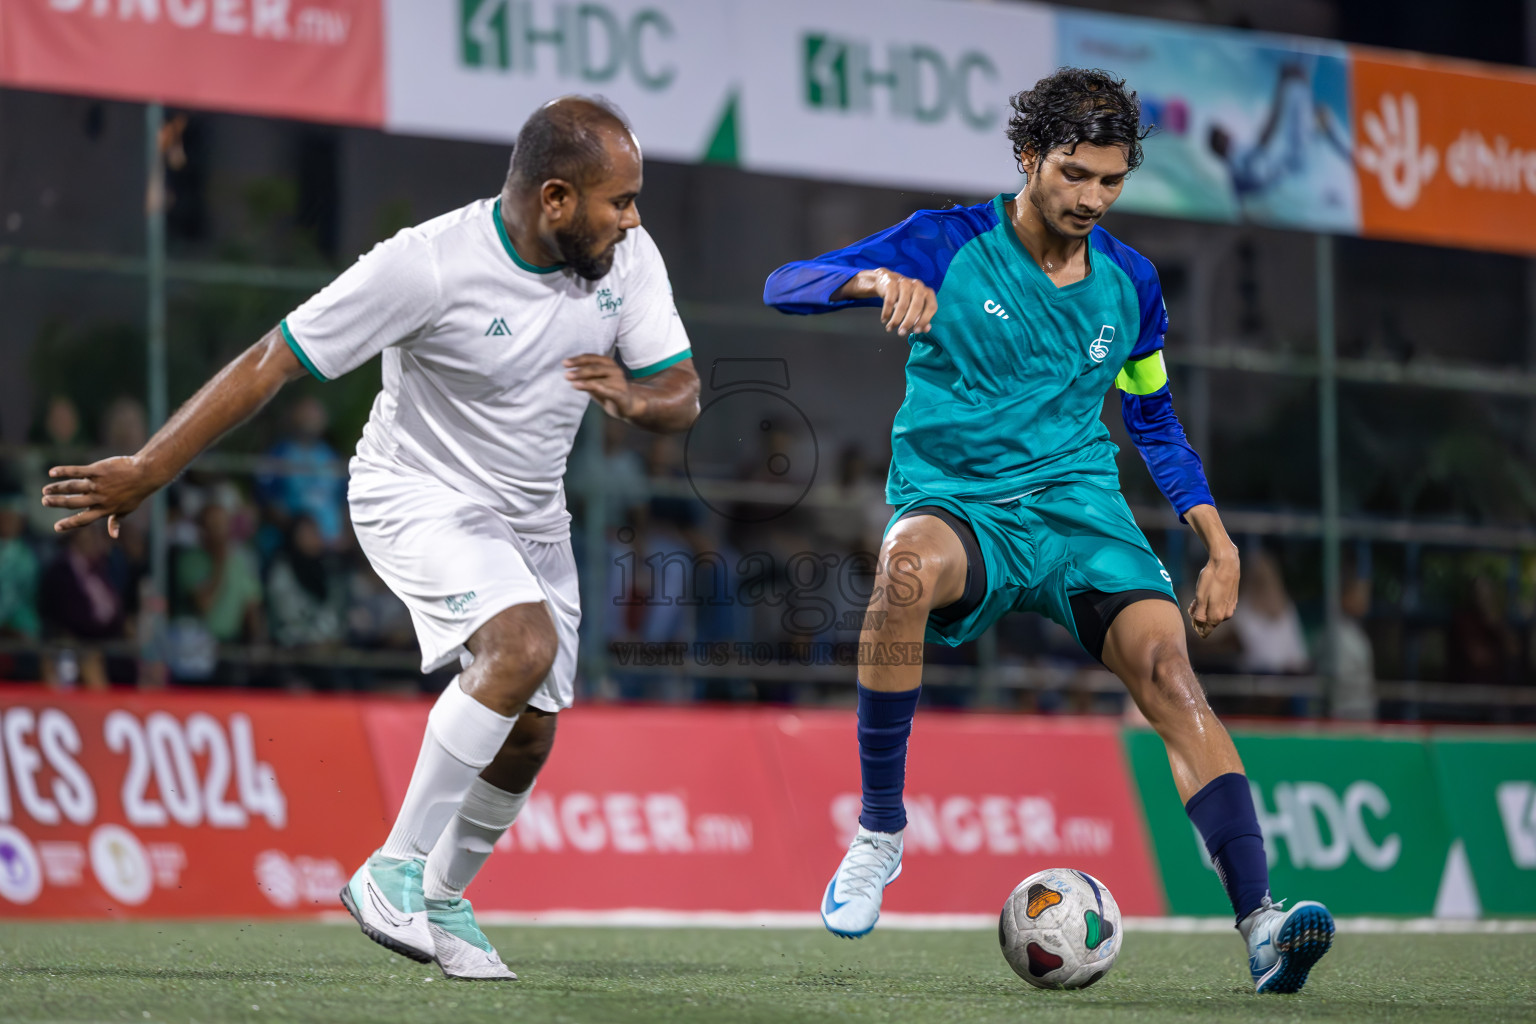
(1302, 941)
(393, 945)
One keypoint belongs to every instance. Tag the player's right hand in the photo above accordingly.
(909, 304)
(112, 487)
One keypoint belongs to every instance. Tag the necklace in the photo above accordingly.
(1048, 266)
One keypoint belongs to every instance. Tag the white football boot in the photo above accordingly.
(386, 899)
(1284, 944)
(463, 951)
(851, 905)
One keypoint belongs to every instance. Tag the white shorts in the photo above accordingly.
(457, 563)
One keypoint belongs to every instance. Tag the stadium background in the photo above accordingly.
(1353, 351)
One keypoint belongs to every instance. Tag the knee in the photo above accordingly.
(532, 659)
(910, 579)
(542, 651)
(1173, 693)
(516, 650)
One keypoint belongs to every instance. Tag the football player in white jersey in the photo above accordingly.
(497, 324)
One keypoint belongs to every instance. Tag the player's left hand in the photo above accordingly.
(1215, 594)
(604, 379)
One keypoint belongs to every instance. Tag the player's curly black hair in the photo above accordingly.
(1076, 105)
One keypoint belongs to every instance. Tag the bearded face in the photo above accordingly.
(583, 248)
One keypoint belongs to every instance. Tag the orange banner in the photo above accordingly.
(1445, 151)
(311, 61)
(181, 805)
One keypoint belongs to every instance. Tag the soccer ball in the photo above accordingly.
(1060, 929)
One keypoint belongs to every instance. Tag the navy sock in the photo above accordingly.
(885, 722)
(1223, 812)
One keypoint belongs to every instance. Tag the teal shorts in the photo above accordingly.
(1041, 549)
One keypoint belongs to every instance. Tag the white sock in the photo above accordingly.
(466, 843)
(463, 736)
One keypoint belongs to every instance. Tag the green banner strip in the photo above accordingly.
(1489, 790)
(1356, 822)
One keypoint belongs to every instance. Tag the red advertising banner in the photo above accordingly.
(750, 810)
(282, 58)
(1445, 151)
(990, 799)
(184, 805)
(638, 807)
(180, 805)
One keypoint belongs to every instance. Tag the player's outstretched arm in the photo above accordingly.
(1216, 589)
(115, 487)
(898, 269)
(666, 402)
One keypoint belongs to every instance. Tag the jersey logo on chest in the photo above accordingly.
(498, 329)
(608, 303)
(1098, 348)
(995, 308)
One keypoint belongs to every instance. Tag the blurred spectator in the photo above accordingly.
(664, 462)
(850, 513)
(18, 573)
(124, 426)
(620, 472)
(59, 428)
(219, 580)
(79, 603)
(722, 617)
(61, 422)
(788, 461)
(306, 591)
(657, 583)
(313, 484)
(375, 616)
(1355, 690)
(128, 560)
(1266, 623)
(670, 566)
(1483, 646)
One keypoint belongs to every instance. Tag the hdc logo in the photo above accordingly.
(586, 41)
(919, 82)
(1322, 829)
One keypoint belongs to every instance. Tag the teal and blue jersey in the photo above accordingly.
(1005, 389)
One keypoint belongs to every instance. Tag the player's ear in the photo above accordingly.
(558, 199)
(1025, 159)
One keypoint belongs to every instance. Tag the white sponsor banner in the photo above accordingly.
(907, 92)
(477, 68)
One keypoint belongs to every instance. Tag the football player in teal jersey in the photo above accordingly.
(1021, 312)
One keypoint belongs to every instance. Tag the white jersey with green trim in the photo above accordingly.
(473, 340)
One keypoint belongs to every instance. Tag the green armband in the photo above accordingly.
(1143, 376)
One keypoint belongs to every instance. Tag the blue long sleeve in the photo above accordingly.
(1159, 436)
(806, 286)
(920, 247)
(1145, 401)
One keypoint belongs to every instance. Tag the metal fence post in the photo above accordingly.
(1328, 459)
(154, 262)
(594, 575)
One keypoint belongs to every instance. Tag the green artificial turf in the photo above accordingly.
(307, 971)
